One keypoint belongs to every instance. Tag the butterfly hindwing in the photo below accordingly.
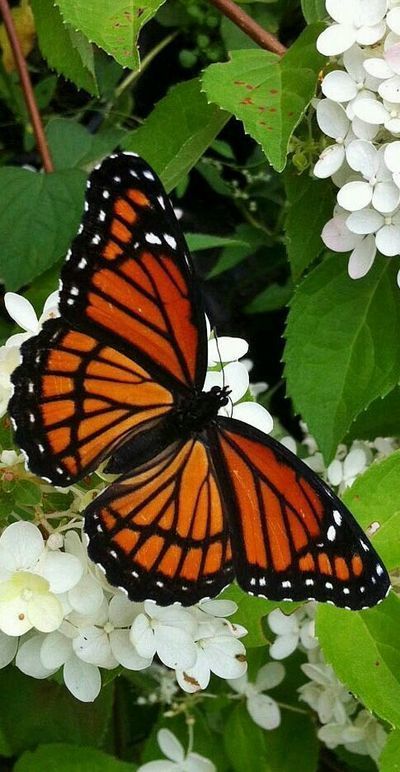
(128, 277)
(292, 538)
(160, 532)
(76, 399)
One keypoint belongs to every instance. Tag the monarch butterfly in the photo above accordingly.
(203, 498)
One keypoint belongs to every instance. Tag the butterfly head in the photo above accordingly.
(202, 408)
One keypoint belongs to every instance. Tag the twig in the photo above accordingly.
(27, 89)
(249, 26)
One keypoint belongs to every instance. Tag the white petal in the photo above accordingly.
(335, 472)
(8, 649)
(175, 647)
(393, 20)
(370, 111)
(14, 618)
(284, 646)
(367, 36)
(336, 39)
(62, 570)
(28, 658)
(362, 258)
(337, 236)
(170, 746)
(340, 11)
(255, 415)
(364, 130)
(226, 656)
(55, 650)
(81, 679)
(239, 685)
(386, 197)
(159, 766)
(392, 156)
(22, 311)
(370, 12)
(142, 637)
(125, 653)
(213, 378)
(390, 89)
(282, 624)
(226, 349)
(51, 304)
(339, 86)
(365, 221)
(87, 596)
(362, 157)
(197, 677)
(354, 463)
(264, 711)
(45, 612)
(332, 119)
(378, 68)
(355, 195)
(393, 125)
(122, 611)
(196, 763)
(388, 240)
(219, 608)
(21, 545)
(353, 60)
(92, 645)
(330, 161)
(269, 676)
(237, 378)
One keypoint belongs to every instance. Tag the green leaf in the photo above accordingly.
(342, 351)
(113, 25)
(27, 494)
(252, 613)
(65, 49)
(197, 242)
(271, 299)
(45, 712)
(47, 208)
(254, 238)
(375, 498)
(69, 758)
(177, 132)
(310, 201)
(380, 419)
(267, 93)
(292, 747)
(389, 760)
(72, 145)
(314, 10)
(363, 647)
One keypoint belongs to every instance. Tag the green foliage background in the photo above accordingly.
(225, 124)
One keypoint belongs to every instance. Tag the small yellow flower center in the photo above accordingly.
(108, 628)
(23, 584)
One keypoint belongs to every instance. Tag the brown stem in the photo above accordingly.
(249, 26)
(27, 89)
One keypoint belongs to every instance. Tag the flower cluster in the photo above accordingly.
(360, 111)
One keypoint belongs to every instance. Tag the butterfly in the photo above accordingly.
(202, 498)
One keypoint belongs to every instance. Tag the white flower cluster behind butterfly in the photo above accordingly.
(360, 111)
(56, 608)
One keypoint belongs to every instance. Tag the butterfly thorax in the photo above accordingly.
(197, 413)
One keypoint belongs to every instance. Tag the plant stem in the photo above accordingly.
(144, 64)
(27, 89)
(249, 26)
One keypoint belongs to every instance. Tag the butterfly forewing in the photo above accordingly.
(160, 533)
(128, 278)
(292, 538)
(76, 399)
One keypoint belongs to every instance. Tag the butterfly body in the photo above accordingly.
(203, 498)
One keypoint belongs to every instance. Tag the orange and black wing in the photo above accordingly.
(128, 278)
(76, 400)
(160, 532)
(292, 538)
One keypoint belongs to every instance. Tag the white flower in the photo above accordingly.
(226, 349)
(325, 694)
(357, 21)
(376, 187)
(218, 649)
(87, 595)
(342, 474)
(179, 761)
(263, 709)
(337, 236)
(23, 313)
(292, 629)
(31, 579)
(166, 631)
(364, 736)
